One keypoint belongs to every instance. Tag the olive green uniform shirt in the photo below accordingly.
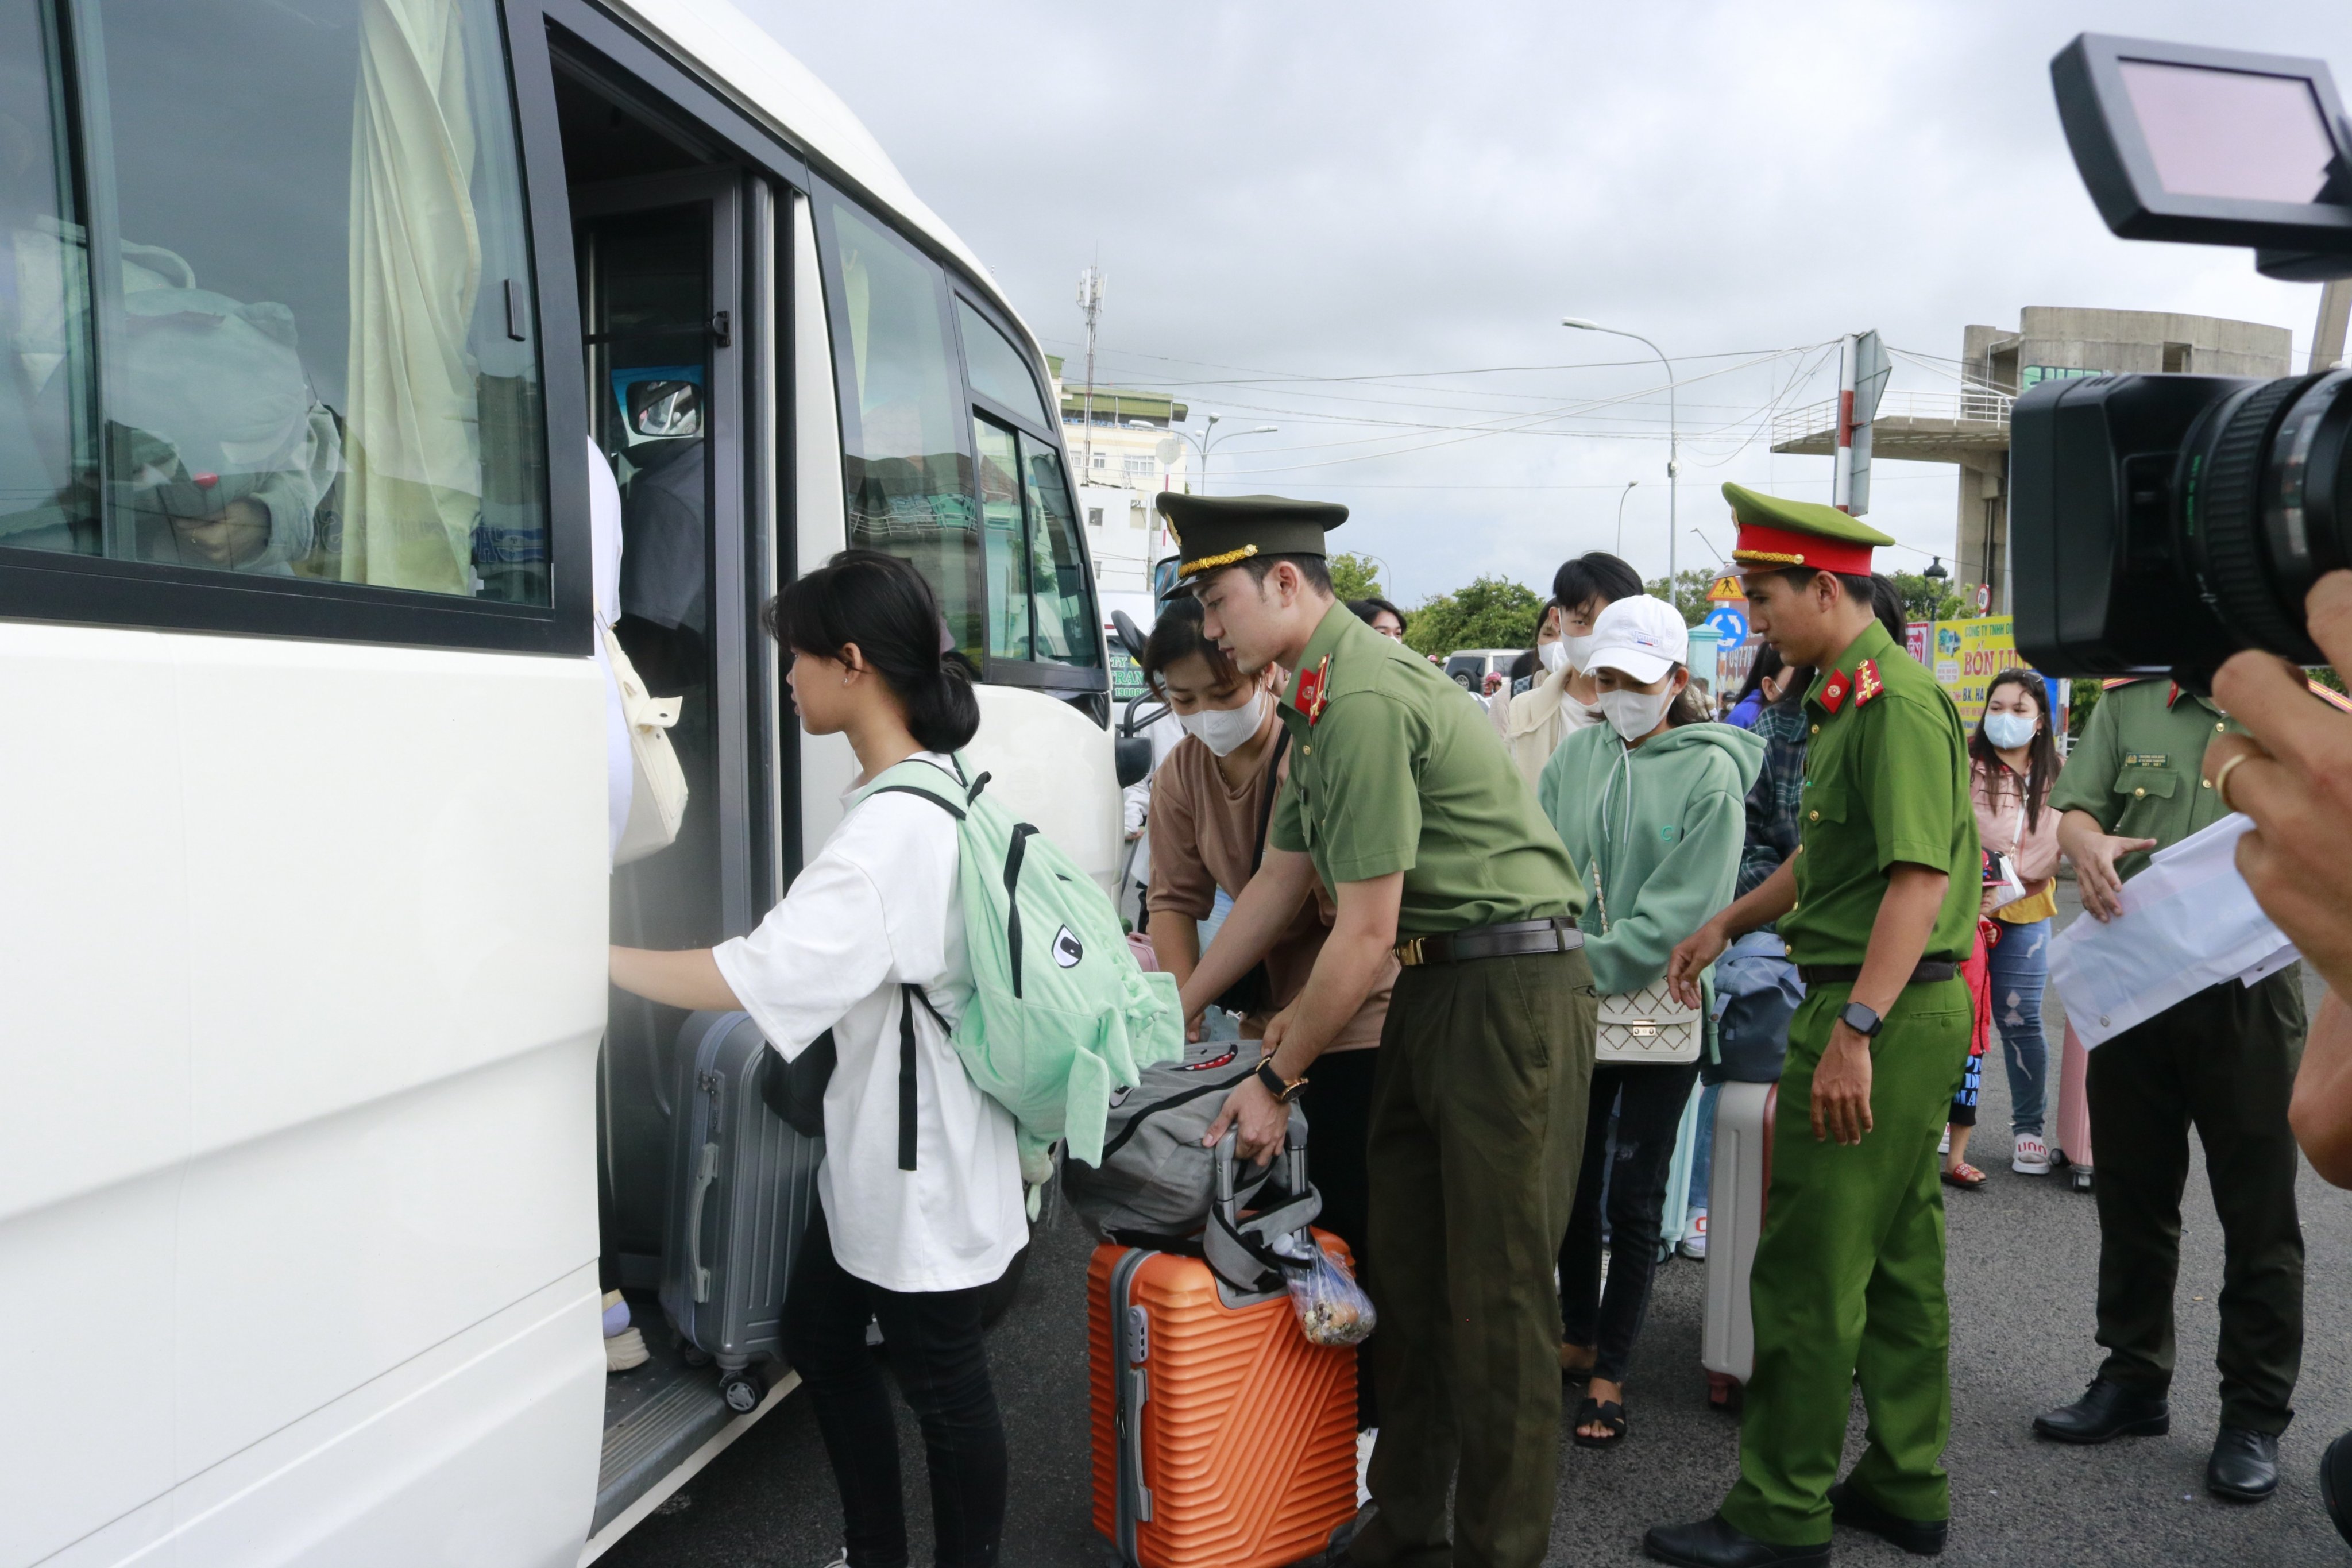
(1399, 772)
(1887, 781)
(2136, 769)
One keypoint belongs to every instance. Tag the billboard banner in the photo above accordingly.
(1969, 654)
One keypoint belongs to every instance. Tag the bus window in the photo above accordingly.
(1004, 542)
(313, 323)
(997, 369)
(1062, 608)
(46, 473)
(907, 476)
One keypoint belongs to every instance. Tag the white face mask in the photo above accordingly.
(1633, 714)
(1226, 730)
(1576, 650)
(1554, 656)
(2008, 732)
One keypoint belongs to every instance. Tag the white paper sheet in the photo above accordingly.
(2189, 922)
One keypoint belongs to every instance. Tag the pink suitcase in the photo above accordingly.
(1737, 1187)
(2073, 1143)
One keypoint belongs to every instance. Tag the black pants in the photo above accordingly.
(1338, 1101)
(933, 1342)
(1649, 1102)
(2223, 1061)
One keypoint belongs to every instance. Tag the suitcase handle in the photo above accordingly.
(704, 1174)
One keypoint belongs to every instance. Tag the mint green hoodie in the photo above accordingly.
(1662, 823)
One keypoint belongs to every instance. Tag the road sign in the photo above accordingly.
(1727, 587)
(1984, 599)
(1731, 625)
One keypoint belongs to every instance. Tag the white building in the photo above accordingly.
(1121, 462)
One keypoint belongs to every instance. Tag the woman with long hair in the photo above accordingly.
(1652, 805)
(1535, 720)
(2013, 762)
(874, 910)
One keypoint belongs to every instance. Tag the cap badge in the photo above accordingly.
(1866, 684)
(1833, 694)
(1311, 691)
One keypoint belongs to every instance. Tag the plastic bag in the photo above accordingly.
(1332, 1309)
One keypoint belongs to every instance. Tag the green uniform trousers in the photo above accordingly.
(2224, 1060)
(1477, 1124)
(1849, 1281)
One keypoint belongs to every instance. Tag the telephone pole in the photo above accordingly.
(1090, 299)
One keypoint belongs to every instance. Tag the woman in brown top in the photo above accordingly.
(1210, 803)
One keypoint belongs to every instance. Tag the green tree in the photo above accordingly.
(1493, 612)
(1689, 595)
(1928, 598)
(1356, 577)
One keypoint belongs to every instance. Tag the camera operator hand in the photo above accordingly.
(2095, 853)
(2293, 774)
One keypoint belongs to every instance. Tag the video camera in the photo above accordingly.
(2160, 523)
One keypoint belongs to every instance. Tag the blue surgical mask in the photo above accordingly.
(2008, 732)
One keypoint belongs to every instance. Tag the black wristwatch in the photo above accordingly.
(1284, 1093)
(1861, 1020)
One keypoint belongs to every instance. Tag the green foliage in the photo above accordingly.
(2083, 695)
(1356, 577)
(1689, 595)
(1492, 612)
(1929, 599)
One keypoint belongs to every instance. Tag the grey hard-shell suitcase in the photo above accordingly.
(743, 1188)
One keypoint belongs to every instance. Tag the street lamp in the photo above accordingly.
(1935, 571)
(1674, 430)
(1209, 437)
(1621, 515)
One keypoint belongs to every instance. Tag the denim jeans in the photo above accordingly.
(1636, 1160)
(932, 1340)
(2020, 968)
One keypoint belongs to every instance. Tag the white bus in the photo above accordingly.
(320, 1132)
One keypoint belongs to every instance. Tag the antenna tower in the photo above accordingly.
(1090, 299)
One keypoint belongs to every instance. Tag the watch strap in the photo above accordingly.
(1283, 1092)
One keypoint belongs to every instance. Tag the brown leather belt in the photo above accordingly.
(1513, 939)
(1930, 970)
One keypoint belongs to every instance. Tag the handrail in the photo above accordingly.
(1975, 404)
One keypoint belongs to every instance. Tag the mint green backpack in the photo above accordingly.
(1061, 1015)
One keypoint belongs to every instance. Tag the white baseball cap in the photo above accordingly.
(1642, 636)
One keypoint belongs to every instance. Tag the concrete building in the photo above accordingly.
(1970, 427)
(1117, 466)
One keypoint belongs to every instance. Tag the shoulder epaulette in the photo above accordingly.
(2127, 681)
(2333, 698)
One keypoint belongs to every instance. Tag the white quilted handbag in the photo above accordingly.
(1644, 1026)
(657, 791)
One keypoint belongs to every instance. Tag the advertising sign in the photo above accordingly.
(1969, 654)
(1916, 636)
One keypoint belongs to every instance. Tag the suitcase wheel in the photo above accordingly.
(2081, 1178)
(692, 1353)
(1722, 1391)
(743, 1390)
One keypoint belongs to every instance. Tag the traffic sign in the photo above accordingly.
(1727, 587)
(1730, 625)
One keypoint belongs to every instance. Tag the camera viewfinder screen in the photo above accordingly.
(2235, 134)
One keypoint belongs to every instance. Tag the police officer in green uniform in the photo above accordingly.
(1402, 798)
(2223, 1059)
(1878, 907)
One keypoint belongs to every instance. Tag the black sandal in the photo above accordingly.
(1608, 1413)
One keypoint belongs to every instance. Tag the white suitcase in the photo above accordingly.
(1735, 1218)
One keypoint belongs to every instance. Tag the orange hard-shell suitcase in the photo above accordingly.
(1222, 1438)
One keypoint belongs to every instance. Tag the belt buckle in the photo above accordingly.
(1408, 952)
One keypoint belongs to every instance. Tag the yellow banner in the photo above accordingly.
(1968, 653)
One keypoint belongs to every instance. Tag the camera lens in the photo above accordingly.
(2264, 504)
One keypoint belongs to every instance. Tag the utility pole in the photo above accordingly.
(1090, 299)
(1861, 380)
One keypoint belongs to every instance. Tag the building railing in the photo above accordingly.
(1975, 404)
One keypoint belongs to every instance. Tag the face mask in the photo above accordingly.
(2008, 732)
(1226, 730)
(1633, 714)
(1554, 656)
(1576, 650)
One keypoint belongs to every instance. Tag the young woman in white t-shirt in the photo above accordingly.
(877, 909)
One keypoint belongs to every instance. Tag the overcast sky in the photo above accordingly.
(1285, 193)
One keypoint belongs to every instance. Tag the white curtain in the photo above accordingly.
(413, 438)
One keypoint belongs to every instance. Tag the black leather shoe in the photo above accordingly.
(1712, 1543)
(2336, 1485)
(2244, 1466)
(1919, 1537)
(2105, 1410)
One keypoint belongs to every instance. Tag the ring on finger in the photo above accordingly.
(2221, 777)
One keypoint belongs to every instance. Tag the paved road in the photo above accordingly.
(2022, 1255)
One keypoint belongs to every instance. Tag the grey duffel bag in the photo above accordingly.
(1156, 1180)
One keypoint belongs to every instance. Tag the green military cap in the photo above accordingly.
(1224, 531)
(1774, 531)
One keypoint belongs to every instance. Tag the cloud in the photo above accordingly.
(1348, 190)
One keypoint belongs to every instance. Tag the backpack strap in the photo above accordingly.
(1013, 859)
(907, 1075)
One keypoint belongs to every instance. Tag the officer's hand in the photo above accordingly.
(2094, 855)
(1262, 1121)
(1842, 1087)
(1690, 959)
(2295, 781)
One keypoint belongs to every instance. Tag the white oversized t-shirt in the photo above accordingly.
(877, 907)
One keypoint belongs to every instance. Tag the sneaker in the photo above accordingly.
(1695, 1244)
(1944, 1144)
(2032, 1156)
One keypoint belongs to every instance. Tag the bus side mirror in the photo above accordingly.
(1134, 759)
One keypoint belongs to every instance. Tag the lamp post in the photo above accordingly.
(1673, 432)
(1209, 437)
(1621, 515)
